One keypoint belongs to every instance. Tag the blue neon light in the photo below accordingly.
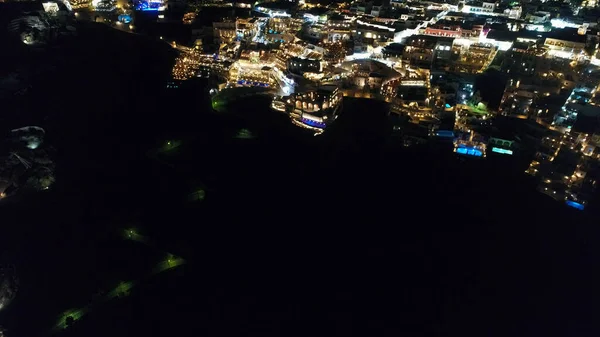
(313, 123)
(575, 205)
(500, 150)
(445, 133)
(125, 18)
(146, 6)
(448, 106)
(469, 151)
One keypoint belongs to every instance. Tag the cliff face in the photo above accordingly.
(25, 162)
(8, 286)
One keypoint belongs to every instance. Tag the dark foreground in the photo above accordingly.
(342, 234)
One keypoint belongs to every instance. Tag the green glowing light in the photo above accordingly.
(479, 108)
(121, 290)
(132, 234)
(198, 195)
(217, 105)
(170, 145)
(170, 262)
(69, 317)
(244, 134)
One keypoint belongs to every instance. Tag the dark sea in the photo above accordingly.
(344, 234)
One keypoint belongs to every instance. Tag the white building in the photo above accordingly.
(485, 7)
(538, 17)
(514, 13)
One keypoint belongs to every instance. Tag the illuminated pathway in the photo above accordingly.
(410, 32)
(397, 39)
(123, 288)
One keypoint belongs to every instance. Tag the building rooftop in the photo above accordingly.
(336, 17)
(412, 93)
(318, 11)
(426, 40)
(506, 35)
(588, 119)
(394, 48)
(328, 88)
(461, 14)
(566, 34)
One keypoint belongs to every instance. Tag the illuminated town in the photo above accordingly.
(196, 122)
(423, 58)
(420, 57)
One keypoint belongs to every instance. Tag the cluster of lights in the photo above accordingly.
(186, 65)
(570, 183)
(260, 80)
(336, 51)
(218, 66)
(217, 4)
(188, 18)
(78, 4)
